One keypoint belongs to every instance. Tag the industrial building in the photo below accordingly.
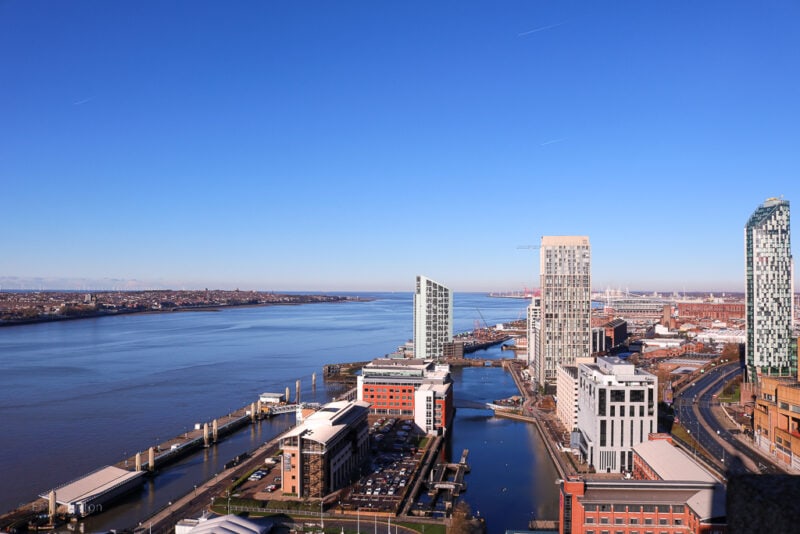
(324, 453)
(616, 411)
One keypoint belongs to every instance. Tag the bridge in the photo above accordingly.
(278, 409)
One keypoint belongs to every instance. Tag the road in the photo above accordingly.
(695, 406)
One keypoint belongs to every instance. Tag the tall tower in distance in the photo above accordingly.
(433, 319)
(769, 291)
(565, 264)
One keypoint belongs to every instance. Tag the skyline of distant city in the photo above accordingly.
(277, 147)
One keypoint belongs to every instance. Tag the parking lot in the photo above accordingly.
(385, 477)
(392, 466)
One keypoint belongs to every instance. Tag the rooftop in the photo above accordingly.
(325, 424)
(95, 483)
(670, 463)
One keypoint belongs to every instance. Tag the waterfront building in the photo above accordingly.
(433, 319)
(534, 326)
(89, 494)
(325, 452)
(616, 411)
(769, 287)
(566, 311)
(422, 390)
(668, 492)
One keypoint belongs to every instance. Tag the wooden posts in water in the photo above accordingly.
(287, 394)
(215, 430)
(205, 435)
(51, 509)
(313, 380)
(259, 409)
(151, 456)
(297, 392)
(139, 461)
(253, 412)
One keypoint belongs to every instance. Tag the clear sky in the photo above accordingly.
(345, 145)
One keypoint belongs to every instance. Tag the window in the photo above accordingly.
(662, 521)
(634, 520)
(617, 395)
(603, 520)
(589, 520)
(619, 520)
(637, 395)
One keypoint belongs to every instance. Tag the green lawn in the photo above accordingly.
(732, 397)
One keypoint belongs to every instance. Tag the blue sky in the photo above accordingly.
(353, 145)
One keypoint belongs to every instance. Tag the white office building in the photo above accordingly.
(566, 304)
(769, 287)
(567, 396)
(534, 326)
(433, 319)
(616, 411)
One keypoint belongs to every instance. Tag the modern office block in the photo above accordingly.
(616, 411)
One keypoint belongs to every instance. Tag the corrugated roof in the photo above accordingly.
(670, 463)
(93, 484)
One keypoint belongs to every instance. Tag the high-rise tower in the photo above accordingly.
(566, 304)
(433, 319)
(769, 270)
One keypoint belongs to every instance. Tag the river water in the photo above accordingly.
(77, 395)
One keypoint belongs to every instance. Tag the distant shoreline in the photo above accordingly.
(176, 309)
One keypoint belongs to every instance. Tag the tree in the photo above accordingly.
(463, 522)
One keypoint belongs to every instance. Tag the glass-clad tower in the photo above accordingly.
(433, 319)
(769, 269)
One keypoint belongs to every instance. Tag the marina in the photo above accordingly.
(181, 393)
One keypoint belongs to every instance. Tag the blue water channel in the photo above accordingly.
(78, 395)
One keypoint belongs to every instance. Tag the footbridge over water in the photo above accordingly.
(277, 409)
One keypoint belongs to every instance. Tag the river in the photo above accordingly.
(77, 395)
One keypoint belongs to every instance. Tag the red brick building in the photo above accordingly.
(725, 312)
(672, 495)
(409, 388)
